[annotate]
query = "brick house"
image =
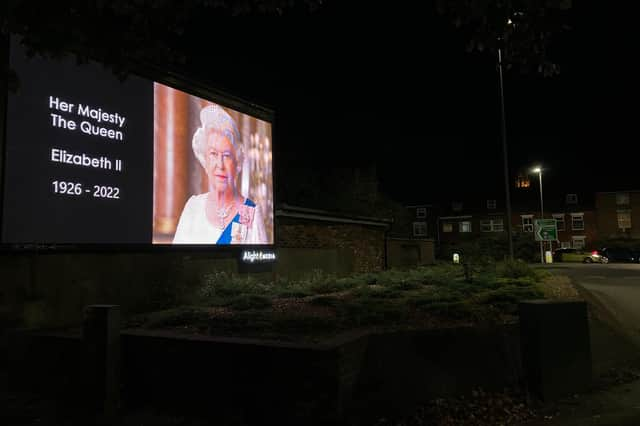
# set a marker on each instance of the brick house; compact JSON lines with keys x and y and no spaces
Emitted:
{"x":575,"y":218}
{"x":617,"y":212}
{"x":423,"y":220}
{"x":463,"y":221}
{"x":577,"y":226}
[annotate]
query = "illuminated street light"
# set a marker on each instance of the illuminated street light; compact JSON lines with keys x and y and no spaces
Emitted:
{"x":538,"y":170}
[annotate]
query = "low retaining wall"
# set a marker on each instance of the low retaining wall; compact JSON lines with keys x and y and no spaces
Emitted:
{"x":355,"y":377}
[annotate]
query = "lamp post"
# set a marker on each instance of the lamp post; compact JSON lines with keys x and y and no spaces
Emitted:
{"x":538,"y":170}
{"x":505,"y":157}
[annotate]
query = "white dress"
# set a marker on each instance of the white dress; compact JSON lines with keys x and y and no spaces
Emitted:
{"x":194,"y":227}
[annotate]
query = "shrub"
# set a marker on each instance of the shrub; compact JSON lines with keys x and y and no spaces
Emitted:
{"x":173,"y":317}
{"x":509,"y":295}
{"x":516,"y":269}
{"x":452,"y":310}
{"x":293,"y":290}
{"x":377,"y":292}
{"x":441,"y":295}
{"x":250,"y":301}
{"x":324,"y":301}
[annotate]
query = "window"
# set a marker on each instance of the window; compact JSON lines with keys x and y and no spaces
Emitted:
{"x":624,"y":219}
{"x":456,"y":206}
{"x":572,"y":198}
{"x":419,"y":229}
{"x":447,"y":227}
{"x":559,"y":217}
{"x":622,"y":198}
{"x":578,"y":242}
{"x":491,"y":204}
{"x":464,"y":226}
{"x":522,"y":182}
{"x":577,"y":221}
{"x":421,"y":212}
{"x":492,"y":225}
{"x":527,"y":223}
{"x":565,"y":244}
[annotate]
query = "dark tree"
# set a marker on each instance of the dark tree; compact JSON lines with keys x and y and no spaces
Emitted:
{"x":116,"y":32}
{"x":524,"y":28}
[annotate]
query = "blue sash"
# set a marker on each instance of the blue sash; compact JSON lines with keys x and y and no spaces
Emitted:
{"x":225,"y":237}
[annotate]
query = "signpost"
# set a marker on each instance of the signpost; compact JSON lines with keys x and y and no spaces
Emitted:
{"x":545,"y":229}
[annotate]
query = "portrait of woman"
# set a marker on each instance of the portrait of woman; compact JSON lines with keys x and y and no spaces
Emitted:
{"x":222,"y":215}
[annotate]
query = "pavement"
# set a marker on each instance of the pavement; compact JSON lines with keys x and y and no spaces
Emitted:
{"x":613,"y":294}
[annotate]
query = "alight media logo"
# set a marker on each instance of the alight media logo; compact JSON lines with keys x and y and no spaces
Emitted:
{"x":253,"y":256}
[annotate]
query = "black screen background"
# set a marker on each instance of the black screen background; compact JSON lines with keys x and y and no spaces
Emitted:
{"x":32,"y":212}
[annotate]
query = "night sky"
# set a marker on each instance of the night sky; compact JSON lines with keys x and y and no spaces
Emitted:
{"x":356,"y":86}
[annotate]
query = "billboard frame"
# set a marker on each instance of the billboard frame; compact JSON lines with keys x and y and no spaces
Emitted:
{"x":176,"y":80}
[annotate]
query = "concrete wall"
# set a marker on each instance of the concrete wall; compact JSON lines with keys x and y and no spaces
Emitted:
{"x":49,"y":290}
{"x":358,"y":376}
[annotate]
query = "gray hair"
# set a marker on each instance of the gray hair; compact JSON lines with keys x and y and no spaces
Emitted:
{"x":214,"y":117}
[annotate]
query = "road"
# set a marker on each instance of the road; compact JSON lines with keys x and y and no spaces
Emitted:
{"x":616,"y":285}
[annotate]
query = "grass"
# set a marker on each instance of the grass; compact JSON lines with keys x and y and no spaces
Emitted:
{"x":319,"y":303}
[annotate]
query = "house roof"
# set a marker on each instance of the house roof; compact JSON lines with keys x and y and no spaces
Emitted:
{"x":286,"y":210}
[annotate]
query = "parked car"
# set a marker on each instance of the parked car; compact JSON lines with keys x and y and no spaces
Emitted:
{"x":575,"y":255}
{"x":618,"y":254}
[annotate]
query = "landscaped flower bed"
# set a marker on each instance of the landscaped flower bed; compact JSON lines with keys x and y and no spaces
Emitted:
{"x":320,"y":305}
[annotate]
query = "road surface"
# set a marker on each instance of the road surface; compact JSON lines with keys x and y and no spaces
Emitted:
{"x":616,"y":285}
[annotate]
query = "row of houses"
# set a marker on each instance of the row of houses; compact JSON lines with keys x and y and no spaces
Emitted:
{"x":584,"y":221}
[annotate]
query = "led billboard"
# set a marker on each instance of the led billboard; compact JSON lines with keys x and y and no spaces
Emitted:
{"x":93,"y":159}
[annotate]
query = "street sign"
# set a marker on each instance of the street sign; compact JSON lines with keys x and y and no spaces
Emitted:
{"x":545,"y":229}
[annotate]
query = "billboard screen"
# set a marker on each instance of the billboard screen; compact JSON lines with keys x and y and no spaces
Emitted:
{"x":93,"y":159}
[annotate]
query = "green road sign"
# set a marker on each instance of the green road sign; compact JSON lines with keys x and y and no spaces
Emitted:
{"x":545,"y":229}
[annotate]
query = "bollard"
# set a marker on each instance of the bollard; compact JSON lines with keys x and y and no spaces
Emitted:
{"x":555,"y":347}
{"x":101,"y":334}
{"x":468,"y":276}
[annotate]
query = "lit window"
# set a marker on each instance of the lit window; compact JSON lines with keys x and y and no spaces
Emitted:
{"x":559,"y":221}
{"x":464,"y":226}
{"x":578,"y":242}
{"x":622,"y":198}
{"x":523,"y":182}
{"x":624,"y":219}
{"x":447,"y":227}
{"x":421,"y":212}
{"x":527,"y":223}
{"x":492,"y":225}
{"x":419,"y":229}
{"x":491,"y":204}
{"x":572,"y":199}
{"x":577,"y":221}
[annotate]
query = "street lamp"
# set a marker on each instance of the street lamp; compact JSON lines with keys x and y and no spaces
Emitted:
{"x":509,"y":23}
{"x":538,"y":170}
{"x":505,"y":157}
